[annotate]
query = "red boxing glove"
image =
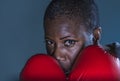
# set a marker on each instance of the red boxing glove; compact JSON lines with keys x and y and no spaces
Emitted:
{"x":42,"y":67}
{"x":95,"y":64}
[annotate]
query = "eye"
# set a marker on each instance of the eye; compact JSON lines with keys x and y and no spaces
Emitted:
{"x":50,"y":43}
{"x":70,"y":43}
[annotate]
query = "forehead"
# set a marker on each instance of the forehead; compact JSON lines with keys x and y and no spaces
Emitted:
{"x":62,"y":24}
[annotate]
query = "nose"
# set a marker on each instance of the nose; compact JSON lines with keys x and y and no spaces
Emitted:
{"x":59,"y":54}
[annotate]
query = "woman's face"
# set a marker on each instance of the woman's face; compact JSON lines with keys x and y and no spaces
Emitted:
{"x":65,"y":39}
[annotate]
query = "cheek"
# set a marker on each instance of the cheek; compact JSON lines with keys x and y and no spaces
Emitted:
{"x":75,"y":51}
{"x":50,"y":50}
{"x":88,"y":39}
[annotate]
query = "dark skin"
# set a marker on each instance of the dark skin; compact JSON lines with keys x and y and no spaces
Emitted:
{"x":66,"y":38}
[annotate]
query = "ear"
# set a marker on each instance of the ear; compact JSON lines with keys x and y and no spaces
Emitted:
{"x":96,"y":35}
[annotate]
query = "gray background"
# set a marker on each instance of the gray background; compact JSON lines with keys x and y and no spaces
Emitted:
{"x":21,"y":31}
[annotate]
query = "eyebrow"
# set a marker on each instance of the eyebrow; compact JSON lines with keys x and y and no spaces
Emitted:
{"x":64,"y":37}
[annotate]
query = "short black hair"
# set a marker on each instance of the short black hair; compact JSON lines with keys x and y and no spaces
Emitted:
{"x":86,"y":10}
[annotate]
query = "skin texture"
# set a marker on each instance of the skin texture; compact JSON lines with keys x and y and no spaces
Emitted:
{"x":65,"y":38}
{"x":67,"y":26}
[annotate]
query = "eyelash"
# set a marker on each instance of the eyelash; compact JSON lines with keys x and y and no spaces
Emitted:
{"x":70,"y":43}
{"x":50,"y":42}
{"x":67,"y":43}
